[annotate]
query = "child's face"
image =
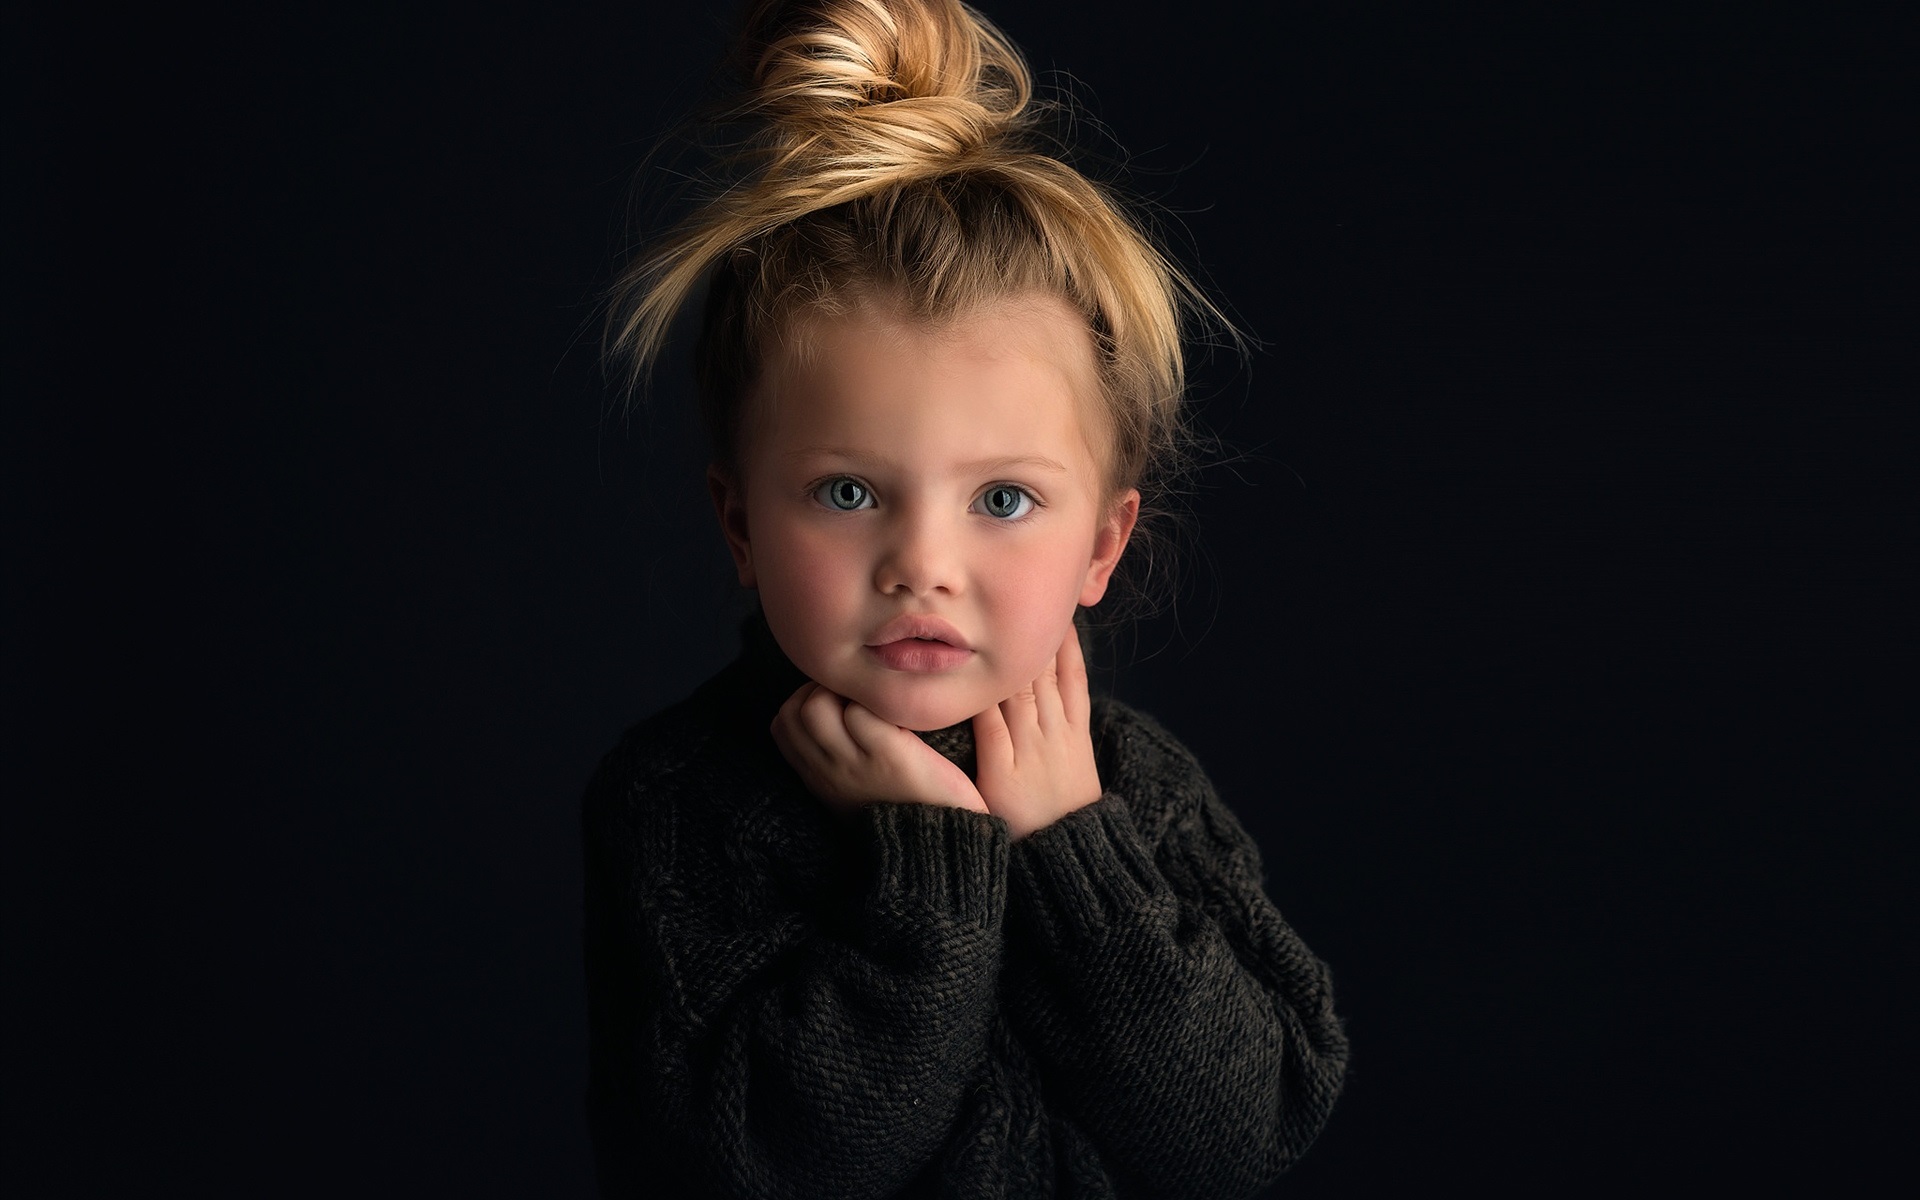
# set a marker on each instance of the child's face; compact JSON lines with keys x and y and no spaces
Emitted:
{"x":873,"y":489}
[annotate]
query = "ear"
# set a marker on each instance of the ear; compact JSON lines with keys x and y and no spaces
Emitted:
{"x":730,"y":505}
{"x":1108,"y":541}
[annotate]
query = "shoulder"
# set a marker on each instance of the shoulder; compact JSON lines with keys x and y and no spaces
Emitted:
{"x":1137,"y":740}
{"x":1168,"y":793}
{"x":658,"y":746}
{"x":696,"y":794}
{"x":686,"y":747}
{"x":1142,"y":761}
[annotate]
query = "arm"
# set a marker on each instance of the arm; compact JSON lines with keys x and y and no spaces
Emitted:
{"x":760,"y":1050}
{"x":1181,"y":1021}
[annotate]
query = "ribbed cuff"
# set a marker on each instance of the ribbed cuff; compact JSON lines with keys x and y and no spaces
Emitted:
{"x":939,"y":857}
{"x":1077,"y":877}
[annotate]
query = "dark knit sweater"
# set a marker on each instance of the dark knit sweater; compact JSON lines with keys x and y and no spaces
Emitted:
{"x":905,"y":1003}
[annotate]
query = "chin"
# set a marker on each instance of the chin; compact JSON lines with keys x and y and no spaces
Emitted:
{"x":918,"y":713}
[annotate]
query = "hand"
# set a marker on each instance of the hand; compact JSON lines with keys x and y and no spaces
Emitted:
{"x":849,"y":756}
{"x":1035,"y":748}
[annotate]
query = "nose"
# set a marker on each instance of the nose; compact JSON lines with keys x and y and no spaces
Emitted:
{"x":920,"y":554}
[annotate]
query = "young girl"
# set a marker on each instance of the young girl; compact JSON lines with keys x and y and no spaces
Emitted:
{"x":890,"y":906}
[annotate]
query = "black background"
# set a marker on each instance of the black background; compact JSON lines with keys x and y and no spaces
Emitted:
{"x":1544,"y":632}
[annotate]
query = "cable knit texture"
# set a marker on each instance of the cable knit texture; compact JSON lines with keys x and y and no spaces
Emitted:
{"x":907,"y":1003}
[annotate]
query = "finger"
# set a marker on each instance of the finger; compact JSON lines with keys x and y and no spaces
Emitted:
{"x":822,"y":716}
{"x":1021,"y":713}
{"x":783,"y":720}
{"x":1072,"y":674}
{"x":992,"y":741}
{"x":795,"y":743}
{"x":868,"y":729}
{"x":791,"y":704}
{"x":1046,"y":696}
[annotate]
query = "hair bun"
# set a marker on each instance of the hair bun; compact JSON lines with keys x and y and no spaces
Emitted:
{"x":889,"y":88}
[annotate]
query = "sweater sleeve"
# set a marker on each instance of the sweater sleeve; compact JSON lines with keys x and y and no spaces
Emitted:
{"x":759,"y":1049}
{"x":1179,"y":1018}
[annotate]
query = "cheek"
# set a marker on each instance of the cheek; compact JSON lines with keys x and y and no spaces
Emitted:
{"x":1037,"y":598}
{"x":804,"y":573}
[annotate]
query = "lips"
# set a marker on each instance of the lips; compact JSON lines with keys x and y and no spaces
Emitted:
{"x":922,"y":626}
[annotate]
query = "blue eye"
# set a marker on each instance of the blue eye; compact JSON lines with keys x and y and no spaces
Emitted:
{"x":1004,"y":500}
{"x":844,"y":494}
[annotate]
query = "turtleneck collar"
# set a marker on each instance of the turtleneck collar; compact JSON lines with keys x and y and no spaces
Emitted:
{"x":770,"y":677}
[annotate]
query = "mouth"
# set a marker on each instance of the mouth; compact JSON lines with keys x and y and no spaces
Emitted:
{"x":923,"y":629}
{"x":920,"y":655}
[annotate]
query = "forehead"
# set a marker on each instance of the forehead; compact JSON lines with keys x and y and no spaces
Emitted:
{"x":1010,"y":378}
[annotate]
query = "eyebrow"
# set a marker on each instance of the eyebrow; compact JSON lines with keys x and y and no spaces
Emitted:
{"x":880,"y":460}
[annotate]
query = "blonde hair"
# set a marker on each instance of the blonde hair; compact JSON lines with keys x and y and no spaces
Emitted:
{"x":895,"y":157}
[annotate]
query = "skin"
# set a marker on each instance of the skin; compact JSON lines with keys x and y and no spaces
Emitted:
{"x":905,"y":408}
